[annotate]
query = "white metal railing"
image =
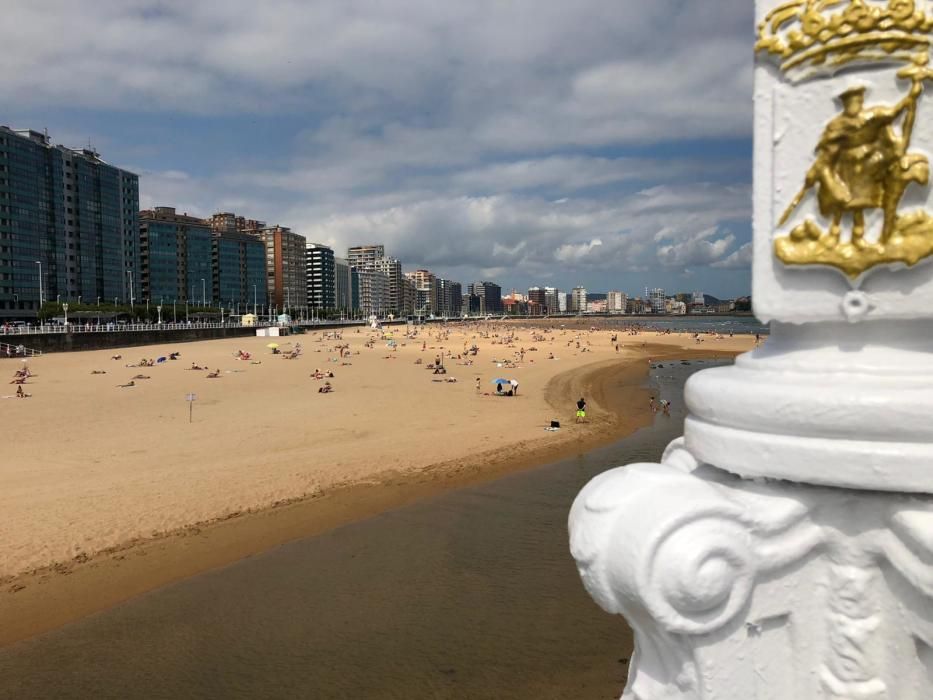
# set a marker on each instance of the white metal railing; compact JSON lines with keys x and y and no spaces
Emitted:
{"x":50,"y":328}
{"x":10,"y":350}
{"x":111,"y":327}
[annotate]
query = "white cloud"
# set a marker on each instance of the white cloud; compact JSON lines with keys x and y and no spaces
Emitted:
{"x":703,"y":248}
{"x":740,"y":259}
{"x":467,"y":136}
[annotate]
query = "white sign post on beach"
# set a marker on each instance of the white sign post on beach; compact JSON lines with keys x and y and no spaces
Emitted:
{"x":191,"y":398}
{"x":783,"y":548}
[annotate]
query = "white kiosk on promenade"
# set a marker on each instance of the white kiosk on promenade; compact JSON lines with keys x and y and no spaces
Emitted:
{"x":783,"y":548}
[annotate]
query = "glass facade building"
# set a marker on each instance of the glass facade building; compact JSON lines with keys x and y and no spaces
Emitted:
{"x":68,"y":214}
{"x":239,"y":271}
{"x":343,"y":283}
{"x":176,"y":254}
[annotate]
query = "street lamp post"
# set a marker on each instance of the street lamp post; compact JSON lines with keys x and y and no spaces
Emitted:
{"x":203,"y":292}
{"x":65,"y":309}
{"x":39,"y":263}
{"x":174,"y":314}
{"x":254,"y":300}
{"x":129,"y":273}
{"x":159,"y":309}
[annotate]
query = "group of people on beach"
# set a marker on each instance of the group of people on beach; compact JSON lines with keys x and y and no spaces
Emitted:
{"x":19,"y":378}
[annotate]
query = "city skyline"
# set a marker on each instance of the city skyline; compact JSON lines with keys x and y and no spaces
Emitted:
{"x":469,"y":140}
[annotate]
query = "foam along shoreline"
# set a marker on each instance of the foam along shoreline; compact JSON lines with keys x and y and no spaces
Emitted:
{"x":46,"y":597}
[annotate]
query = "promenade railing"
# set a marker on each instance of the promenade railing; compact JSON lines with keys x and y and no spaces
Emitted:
{"x":9,"y":350}
{"x":45,"y":329}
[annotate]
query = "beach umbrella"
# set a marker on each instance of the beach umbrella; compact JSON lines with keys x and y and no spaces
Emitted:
{"x":500,"y":381}
{"x":272,"y":345}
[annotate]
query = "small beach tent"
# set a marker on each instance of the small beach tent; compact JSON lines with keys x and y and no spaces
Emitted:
{"x":248,"y":320}
{"x":284,"y":320}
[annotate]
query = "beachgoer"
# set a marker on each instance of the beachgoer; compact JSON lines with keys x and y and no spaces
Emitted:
{"x":478,"y":386}
{"x":651,"y":404}
{"x":581,"y":410}
{"x":514,"y":384}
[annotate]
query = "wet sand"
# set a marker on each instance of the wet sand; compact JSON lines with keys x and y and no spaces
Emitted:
{"x":394,"y":463}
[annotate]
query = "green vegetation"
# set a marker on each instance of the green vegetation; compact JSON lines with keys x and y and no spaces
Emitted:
{"x":136,"y":313}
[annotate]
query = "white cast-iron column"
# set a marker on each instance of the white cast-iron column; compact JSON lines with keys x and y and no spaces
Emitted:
{"x":783,"y":548}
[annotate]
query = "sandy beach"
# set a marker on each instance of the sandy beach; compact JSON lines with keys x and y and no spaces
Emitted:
{"x":108,"y":491}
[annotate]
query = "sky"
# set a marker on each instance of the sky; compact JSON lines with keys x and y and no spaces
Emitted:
{"x":603,"y":143}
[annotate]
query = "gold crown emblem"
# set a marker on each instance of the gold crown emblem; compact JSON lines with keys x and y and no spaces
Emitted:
{"x":815,"y":35}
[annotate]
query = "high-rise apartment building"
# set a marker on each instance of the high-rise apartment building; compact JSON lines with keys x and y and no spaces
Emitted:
{"x":68,"y":225}
{"x":490,"y":295}
{"x":409,"y":297}
{"x":551,"y":301}
{"x":537,"y":297}
{"x":657,"y":300}
{"x":392,"y":269}
{"x":455,"y":294}
{"x":472,"y":305}
{"x":286,"y":267}
{"x":239,"y":271}
{"x":446,"y":298}
{"x":176,"y":258}
{"x":373,"y":292}
{"x":577,"y":300}
{"x":537,"y":302}
{"x":562,"y":302}
{"x":344,"y":300}
{"x":424,"y":282}
{"x":322,"y":276}
{"x":616,"y":302}
{"x":364,"y":257}
{"x":228,"y":222}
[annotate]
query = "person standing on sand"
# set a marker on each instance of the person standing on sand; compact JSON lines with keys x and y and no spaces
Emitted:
{"x":479,"y":388}
{"x":581,"y":410}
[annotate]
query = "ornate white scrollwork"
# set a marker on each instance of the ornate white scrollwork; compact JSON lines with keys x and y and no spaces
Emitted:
{"x":701,"y":563}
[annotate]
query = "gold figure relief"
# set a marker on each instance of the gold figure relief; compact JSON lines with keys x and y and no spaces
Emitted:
{"x":862,"y":159}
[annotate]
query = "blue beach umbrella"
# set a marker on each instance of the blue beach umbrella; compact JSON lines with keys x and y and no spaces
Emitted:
{"x":500,"y":381}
